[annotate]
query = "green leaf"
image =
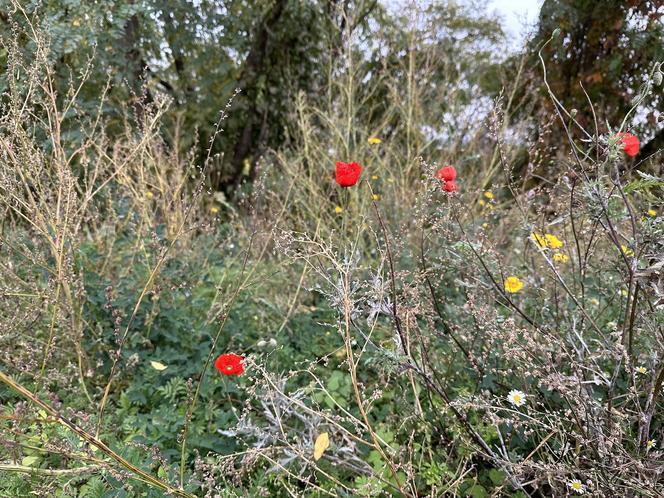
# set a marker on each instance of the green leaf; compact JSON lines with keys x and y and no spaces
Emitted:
{"x":497,"y":476}
{"x":31,"y":461}
{"x":94,"y":488}
{"x":476,"y":491}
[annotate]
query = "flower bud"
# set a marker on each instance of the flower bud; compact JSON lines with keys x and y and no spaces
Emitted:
{"x":556,"y":33}
{"x":657,"y":78}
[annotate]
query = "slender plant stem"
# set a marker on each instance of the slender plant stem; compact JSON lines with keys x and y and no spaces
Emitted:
{"x":92,"y":440}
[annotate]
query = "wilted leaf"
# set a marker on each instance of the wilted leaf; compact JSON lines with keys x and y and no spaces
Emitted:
{"x":321,"y":444}
{"x":158,"y":366}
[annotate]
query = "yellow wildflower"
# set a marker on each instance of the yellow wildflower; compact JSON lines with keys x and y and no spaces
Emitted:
{"x":374,"y":177}
{"x":375,"y":197}
{"x":641,"y":370}
{"x":488,"y":194}
{"x":513,"y":284}
{"x":539,"y":240}
{"x":652,"y":212}
{"x":626,"y":250}
{"x":553,"y":241}
{"x":560,"y":257}
{"x":482,"y":202}
{"x":374,"y":140}
{"x":149,"y":195}
{"x":594,"y":302}
{"x":338,"y":209}
{"x":650,"y":444}
{"x":214,"y":210}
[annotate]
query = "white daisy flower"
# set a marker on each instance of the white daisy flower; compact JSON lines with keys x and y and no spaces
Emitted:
{"x":642,"y":370}
{"x":650,"y":444}
{"x":516,"y":397}
{"x":577,"y":486}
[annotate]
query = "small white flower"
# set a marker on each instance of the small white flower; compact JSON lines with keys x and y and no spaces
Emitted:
{"x":641,"y":370}
{"x":516,"y":397}
{"x":650,"y":444}
{"x":577,"y":486}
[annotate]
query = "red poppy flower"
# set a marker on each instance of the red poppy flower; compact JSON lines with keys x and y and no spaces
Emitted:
{"x":450,"y":187}
{"x":630,"y":143}
{"x":229,"y":364}
{"x":446,"y":173}
{"x":348,"y":173}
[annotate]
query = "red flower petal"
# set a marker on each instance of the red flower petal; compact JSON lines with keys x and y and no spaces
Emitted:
{"x":630,"y":143}
{"x":446,"y":173}
{"x":347,"y":174}
{"x":450,"y":187}
{"x":229,"y":364}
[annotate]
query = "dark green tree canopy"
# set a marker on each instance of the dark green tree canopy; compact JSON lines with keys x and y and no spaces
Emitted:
{"x":606,"y":49}
{"x":261,"y":55}
{"x":196,"y":53}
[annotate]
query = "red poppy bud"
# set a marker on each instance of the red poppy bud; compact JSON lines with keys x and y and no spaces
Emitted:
{"x":446,"y":173}
{"x":630,"y":143}
{"x":229,"y":364}
{"x":450,"y":187}
{"x":347,"y":174}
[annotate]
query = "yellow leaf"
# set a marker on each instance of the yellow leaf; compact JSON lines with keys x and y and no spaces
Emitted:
{"x":321,"y":444}
{"x":158,"y":366}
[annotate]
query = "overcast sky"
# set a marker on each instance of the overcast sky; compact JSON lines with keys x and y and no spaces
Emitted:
{"x":518,"y":15}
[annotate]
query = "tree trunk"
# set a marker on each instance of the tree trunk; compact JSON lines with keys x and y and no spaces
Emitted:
{"x":255,"y":65}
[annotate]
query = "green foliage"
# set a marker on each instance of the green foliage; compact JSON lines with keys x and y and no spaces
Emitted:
{"x":140,"y":52}
{"x":383,"y":325}
{"x":196,"y":55}
{"x":605,"y":55}
{"x":93,"y":488}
